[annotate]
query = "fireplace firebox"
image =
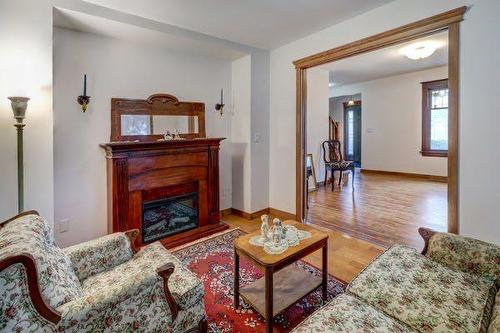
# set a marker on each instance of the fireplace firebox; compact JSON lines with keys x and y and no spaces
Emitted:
{"x":169,"y":216}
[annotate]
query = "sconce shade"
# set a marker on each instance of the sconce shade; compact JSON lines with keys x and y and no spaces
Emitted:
{"x":19,"y":106}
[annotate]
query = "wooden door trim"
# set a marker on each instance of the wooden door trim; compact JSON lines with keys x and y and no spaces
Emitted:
{"x":450,"y":21}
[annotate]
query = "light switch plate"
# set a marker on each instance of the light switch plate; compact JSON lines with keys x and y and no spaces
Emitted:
{"x":64,"y":225}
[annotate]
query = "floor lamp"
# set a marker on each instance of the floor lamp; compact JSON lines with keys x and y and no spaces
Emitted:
{"x":19,"y":105}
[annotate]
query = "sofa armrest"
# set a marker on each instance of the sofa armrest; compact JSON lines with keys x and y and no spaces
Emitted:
{"x":101,"y":254}
{"x":141,"y":295}
{"x":21,"y":293}
{"x":165,"y":271}
{"x":462,"y":253}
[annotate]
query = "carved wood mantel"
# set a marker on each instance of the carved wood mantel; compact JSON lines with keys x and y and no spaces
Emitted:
{"x":139,"y":171}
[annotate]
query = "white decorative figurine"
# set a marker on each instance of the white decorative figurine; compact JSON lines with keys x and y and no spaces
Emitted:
{"x":264,"y":228}
{"x":168,"y":135}
{"x":277,"y":231}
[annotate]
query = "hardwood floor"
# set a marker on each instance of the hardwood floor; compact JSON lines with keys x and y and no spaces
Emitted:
{"x":382,"y":209}
{"x":347,"y":256}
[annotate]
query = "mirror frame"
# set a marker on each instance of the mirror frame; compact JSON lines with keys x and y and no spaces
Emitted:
{"x":157,"y":104}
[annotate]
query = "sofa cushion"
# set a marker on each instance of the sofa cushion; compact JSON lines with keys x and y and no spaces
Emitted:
{"x":495,"y":316}
{"x":185,"y":287}
{"x":32,"y":235}
{"x":466,"y":254}
{"x":347,"y":314}
{"x":425,"y":295}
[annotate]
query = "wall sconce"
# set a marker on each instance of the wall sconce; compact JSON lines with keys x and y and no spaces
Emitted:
{"x":84,"y":100}
{"x":220,"y":106}
{"x":19,"y":106}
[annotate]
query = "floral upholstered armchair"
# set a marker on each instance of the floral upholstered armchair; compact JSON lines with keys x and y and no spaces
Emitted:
{"x":103,"y":285}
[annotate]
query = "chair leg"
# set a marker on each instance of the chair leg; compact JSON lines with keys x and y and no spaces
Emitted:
{"x":333,"y":180}
{"x":203,"y":326}
{"x":326,"y":176}
{"x":352,"y":181}
{"x":340,"y":178}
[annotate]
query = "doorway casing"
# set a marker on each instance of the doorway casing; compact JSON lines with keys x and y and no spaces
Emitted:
{"x":450,"y":21}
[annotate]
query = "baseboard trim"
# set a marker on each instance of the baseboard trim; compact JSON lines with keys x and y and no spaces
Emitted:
{"x":250,"y":216}
{"x":226,"y":212}
{"x":282,"y":214}
{"x":441,"y":179}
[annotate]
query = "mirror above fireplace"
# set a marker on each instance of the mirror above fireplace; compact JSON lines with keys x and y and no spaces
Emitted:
{"x":151,"y":118}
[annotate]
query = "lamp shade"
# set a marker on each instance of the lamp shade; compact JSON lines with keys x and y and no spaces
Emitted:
{"x":19,"y":106}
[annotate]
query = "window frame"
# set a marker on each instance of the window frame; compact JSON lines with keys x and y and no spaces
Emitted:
{"x":427,"y":88}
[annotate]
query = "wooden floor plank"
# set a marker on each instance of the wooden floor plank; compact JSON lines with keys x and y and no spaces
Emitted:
{"x":382,"y":209}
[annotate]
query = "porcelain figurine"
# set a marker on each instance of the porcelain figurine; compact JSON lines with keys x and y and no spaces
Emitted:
{"x":277,"y":231}
{"x":168,"y":135}
{"x":264,"y":228}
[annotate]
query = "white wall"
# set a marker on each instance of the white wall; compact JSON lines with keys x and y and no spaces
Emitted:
{"x":391,"y":120}
{"x":26,"y":70}
{"x":250,"y":132}
{"x":260,"y":131}
{"x":479,"y":70}
{"x":317,"y":117}
{"x":117,"y":68}
{"x":241,"y":74}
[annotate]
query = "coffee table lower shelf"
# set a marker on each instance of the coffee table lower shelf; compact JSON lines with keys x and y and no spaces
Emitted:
{"x":290,"y":285}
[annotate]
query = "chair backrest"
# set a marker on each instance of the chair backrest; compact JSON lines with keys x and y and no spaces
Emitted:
{"x":31,"y":236}
{"x":332,"y":151}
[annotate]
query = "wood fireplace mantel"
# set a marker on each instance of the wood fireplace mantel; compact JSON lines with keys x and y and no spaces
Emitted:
{"x":140,"y":171}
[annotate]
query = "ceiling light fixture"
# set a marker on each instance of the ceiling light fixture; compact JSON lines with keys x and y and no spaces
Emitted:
{"x":420,"y":50}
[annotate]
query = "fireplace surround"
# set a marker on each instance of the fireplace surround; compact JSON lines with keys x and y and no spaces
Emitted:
{"x":147,"y":175}
{"x":167,"y":189}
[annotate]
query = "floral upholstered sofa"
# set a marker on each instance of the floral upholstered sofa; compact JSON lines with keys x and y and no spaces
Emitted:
{"x":99,"y":286}
{"x":451,"y":287}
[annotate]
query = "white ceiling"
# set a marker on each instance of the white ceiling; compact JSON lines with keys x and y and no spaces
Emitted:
{"x":258,"y":23}
{"x":386,"y":62}
{"x":79,"y":21}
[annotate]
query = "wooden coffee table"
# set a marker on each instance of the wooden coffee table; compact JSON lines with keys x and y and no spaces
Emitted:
{"x":283,"y":284}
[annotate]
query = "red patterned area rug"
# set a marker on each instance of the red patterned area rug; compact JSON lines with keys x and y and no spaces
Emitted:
{"x":212,"y":260}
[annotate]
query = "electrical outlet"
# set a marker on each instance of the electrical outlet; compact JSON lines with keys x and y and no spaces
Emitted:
{"x":256,"y":138}
{"x":64,"y":225}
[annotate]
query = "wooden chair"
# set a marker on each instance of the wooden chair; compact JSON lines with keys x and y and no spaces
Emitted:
{"x":332,"y":156}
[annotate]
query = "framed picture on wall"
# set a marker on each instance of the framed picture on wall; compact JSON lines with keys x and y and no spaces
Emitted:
{"x":312,"y":184}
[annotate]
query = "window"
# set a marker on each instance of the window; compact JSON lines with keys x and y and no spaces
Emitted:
{"x":435,"y":118}
{"x":350,"y":132}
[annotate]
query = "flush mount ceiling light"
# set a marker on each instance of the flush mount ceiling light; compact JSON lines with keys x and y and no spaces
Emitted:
{"x":420,"y":50}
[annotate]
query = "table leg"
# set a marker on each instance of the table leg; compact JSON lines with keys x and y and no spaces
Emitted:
{"x":325,"y":270}
{"x":269,"y":300}
{"x":236,"y":280}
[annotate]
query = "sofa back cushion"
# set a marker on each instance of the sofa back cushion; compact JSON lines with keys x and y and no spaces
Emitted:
{"x":466,"y":254}
{"x":31,"y":234}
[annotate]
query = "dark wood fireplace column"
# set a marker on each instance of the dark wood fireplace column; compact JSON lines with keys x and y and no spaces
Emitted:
{"x":141,"y":172}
